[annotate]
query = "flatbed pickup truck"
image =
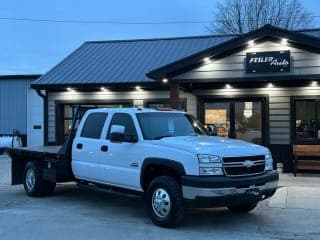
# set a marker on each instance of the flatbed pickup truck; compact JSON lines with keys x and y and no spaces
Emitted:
{"x":163,"y":155}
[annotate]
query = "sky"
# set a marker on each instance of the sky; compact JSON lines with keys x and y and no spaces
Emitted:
{"x":36,"y":47}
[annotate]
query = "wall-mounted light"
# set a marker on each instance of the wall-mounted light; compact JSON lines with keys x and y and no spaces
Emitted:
{"x":314,"y":84}
{"x":228,"y":86}
{"x":270,"y":85}
{"x":207,"y":60}
{"x":69,"y":89}
{"x":103,"y":89}
{"x":284,"y":41}
{"x":165,"y":80}
{"x":138,"y":88}
{"x":251,"y":43}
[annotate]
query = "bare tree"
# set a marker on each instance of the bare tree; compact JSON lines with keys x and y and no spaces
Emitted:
{"x":240,"y":16}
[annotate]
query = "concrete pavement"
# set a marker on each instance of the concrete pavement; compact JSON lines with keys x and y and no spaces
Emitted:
{"x":72,"y":213}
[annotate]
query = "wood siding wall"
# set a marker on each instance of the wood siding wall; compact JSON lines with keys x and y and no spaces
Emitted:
{"x":136,"y":97}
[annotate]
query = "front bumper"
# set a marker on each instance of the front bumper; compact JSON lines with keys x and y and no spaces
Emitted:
{"x":224,"y":191}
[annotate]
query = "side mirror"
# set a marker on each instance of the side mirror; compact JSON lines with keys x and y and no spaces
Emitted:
{"x":117,"y":133}
{"x":211,"y":130}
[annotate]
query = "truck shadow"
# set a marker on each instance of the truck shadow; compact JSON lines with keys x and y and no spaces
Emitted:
{"x":113,"y":207}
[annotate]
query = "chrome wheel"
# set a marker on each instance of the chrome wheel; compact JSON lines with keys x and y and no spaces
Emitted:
{"x":161,"y":203}
{"x":30,"y":179}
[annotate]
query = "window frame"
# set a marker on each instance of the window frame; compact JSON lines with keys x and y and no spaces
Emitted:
{"x":293,"y":101}
{"x":102,"y":126}
{"x":110,"y":124}
{"x":60,"y":135}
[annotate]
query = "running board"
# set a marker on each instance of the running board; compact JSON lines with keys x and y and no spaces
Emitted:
{"x":110,"y":189}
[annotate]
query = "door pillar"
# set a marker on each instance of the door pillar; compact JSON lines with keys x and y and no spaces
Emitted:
{"x":174,"y":96}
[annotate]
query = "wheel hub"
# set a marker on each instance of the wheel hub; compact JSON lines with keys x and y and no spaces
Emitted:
{"x":161,"y":203}
{"x":30,"y":179}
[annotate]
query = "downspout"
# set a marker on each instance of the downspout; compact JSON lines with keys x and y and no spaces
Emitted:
{"x":45,"y":115}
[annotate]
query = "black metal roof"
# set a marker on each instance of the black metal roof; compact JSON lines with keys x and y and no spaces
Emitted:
{"x":126,"y":61}
{"x":116,"y":62}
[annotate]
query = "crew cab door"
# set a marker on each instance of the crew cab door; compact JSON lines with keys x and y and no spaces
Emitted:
{"x":121,"y":160}
{"x":86,"y":147}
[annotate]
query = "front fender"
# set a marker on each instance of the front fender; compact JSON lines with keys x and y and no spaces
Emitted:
{"x":177,"y":166}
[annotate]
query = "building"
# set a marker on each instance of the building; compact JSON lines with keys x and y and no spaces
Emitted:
{"x":19,"y":106}
{"x":261,"y":86}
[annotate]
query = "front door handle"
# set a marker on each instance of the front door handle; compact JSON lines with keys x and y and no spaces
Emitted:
{"x":79,"y":146}
{"x":104,"y":148}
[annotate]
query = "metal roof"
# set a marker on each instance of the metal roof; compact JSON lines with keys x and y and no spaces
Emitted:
{"x":127,"y":61}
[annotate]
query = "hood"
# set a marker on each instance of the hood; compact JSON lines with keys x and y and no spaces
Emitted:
{"x":220,"y":146}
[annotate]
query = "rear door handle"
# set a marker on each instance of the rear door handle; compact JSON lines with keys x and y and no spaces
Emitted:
{"x":104,"y":148}
{"x":79,"y":146}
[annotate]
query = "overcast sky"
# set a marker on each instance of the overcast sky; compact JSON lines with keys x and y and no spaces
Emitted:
{"x":35,"y":47}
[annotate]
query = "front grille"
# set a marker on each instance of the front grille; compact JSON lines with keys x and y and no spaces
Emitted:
{"x":242,"y":159}
{"x":244,"y":166}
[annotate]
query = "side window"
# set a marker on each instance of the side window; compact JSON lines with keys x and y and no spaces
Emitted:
{"x":93,"y":125}
{"x":126,"y":121}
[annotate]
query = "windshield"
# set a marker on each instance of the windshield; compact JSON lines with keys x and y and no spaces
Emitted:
{"x":156,"y":125}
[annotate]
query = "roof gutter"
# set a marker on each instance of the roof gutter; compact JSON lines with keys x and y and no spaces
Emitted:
{"x":45,"y":115}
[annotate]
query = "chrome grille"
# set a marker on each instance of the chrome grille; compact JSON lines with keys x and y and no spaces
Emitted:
{"x":243,"y":166}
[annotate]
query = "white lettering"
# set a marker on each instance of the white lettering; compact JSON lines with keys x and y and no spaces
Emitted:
{"x":275,"y":62}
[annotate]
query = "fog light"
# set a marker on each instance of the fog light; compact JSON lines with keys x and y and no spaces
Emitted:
{"x":210,"y":171}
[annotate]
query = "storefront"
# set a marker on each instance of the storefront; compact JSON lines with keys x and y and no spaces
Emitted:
{"x":260,"y":87}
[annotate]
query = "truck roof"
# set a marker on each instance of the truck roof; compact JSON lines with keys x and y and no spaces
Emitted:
{"x":134,"y":110}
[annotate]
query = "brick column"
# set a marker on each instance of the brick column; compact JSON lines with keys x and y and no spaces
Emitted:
{"x":174,"y":96}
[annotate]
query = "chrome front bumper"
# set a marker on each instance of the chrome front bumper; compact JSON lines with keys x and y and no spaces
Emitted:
{"x":194,"y":192}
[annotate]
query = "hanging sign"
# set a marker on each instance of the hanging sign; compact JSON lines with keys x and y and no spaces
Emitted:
{"x":267,"y":62}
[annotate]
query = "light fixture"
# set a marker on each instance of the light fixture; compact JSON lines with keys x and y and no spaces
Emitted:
{"x":251,"y":42}
{"x":228,"y":86}
{"x":270,"y":85}
{"x":103,"y":89}
{"x":314,"y":84}
{"x":284,"y":41}
{"x":207,"y":60}
{"x":138,"y":88}
{"x":69,"y":89}
{"x":165,"y":80}
{"x":248,"y":109}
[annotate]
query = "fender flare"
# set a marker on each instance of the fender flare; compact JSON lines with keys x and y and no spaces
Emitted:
{"x":177,"y":166}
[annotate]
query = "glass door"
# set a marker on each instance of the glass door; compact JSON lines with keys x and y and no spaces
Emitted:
{"x":217,"y":118}
{"x":240,"y":119}
{"x":248,"y":121}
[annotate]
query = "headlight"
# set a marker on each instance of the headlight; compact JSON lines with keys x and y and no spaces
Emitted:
{"x":210,"y":165}
{"x":269,"y":161}
{"x":208,"y":158}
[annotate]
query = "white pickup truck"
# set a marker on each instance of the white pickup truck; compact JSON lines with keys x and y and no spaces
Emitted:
{"x":164,"y":155}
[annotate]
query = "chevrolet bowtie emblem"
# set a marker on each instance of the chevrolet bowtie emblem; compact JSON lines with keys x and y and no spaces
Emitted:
{"x":248,"y":164}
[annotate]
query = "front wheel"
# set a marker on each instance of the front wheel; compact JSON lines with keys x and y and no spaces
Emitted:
{"x":165,"y":201}
{"x":34,"y":185}
{"x":243,"y":208}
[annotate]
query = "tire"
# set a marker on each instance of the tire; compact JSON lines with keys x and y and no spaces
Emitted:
{"x":33,"y":183}
{"x":243,"y":208}
{"x":165,"y":202}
